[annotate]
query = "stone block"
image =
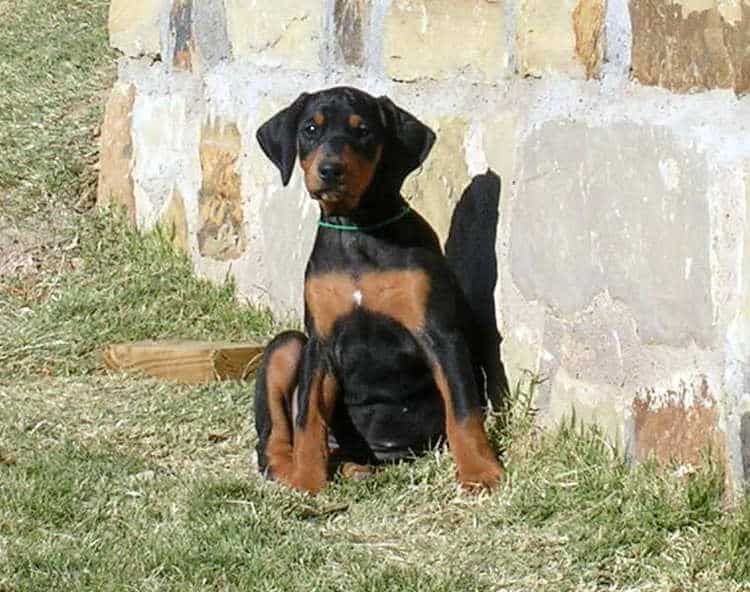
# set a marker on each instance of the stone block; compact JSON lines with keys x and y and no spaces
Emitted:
{"x":281,"y":223}
{"x":625,"y":212}
{"x":677,"y":424}
{"x":521,"y":349}
{"x":595,"y":345}
{"x":198,"y":34}
{"x":740,"y":331}
{"x":181,"y":31}
{"x":350,"y":19}
{"x":221,"y":233}
{"x":745,"y":444}
{"x":164,"y":139}
{"x":565,"y":37}
{"x":522,"y":323}
{"x":435,"y":188}
{"x":687,"y":45}
{"x":588,"y":23}
{"x":439,"y":39}
{"x":174,"y":222}
{"x":593,"y":404}
{"x":499,"y":146}
{"x":134,"y":26}
{"x":281,"y":33}
{"x":116,"y":159}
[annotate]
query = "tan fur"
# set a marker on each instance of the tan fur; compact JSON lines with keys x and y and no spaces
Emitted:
{"x":311,"y":442}
{"x":400,"y":295}
{"x":477,"y":465}
{"x":358,"y":174}
{"x":281,"y":376}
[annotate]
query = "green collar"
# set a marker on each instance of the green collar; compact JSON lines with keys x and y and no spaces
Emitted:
{"x":355,"y":227}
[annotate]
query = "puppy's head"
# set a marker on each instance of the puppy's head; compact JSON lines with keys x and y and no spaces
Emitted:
{"x":348,"y":143}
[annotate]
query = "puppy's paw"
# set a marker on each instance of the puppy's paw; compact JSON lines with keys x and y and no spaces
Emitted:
{"x":483,"y":475}
{"x":355,"y":471}
{"x":312,"y":482}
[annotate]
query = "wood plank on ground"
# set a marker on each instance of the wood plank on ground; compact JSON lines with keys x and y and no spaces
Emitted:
{"x":187,"y":362}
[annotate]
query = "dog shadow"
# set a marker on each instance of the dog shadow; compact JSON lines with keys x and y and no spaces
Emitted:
{"x":470,"y":251}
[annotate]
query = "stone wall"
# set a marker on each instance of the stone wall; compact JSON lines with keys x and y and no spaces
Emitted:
{"x":619,"y":133}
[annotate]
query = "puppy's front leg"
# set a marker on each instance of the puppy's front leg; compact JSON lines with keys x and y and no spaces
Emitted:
{"x":477,"y":464}
{"x":318,"y":390}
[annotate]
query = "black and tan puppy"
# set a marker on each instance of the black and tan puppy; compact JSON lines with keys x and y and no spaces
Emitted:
{"x":387,"y":366}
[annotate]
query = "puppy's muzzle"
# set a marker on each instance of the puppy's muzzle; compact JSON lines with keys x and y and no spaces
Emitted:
{"x":331,"y":172}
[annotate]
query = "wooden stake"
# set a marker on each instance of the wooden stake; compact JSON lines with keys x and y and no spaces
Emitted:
{"x":188,"y":362}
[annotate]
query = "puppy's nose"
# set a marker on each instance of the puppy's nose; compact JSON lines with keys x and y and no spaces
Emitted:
{"x":331,"y":171}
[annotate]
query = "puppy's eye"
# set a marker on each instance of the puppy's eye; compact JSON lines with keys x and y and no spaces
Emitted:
{"x":310,"y":129}
{"x":362,"y":131}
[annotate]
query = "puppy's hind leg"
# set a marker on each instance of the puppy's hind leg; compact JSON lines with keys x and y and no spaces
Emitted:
{"x":275,"y":385}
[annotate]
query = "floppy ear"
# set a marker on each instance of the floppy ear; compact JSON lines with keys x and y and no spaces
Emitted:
{"x":278,"y":137}
{"x":411,"y":140}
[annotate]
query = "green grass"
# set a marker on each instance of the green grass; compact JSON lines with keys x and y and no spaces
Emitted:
{"x":122,"y":483}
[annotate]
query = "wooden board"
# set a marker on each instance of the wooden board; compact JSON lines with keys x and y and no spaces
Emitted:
{"x":188,"y":362}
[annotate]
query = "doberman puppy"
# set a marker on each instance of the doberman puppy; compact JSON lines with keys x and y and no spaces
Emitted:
{"x":387,"y":367}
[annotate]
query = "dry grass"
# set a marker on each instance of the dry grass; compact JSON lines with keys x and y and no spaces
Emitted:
{"x":54,"y":71}
{"x":120,"y":484}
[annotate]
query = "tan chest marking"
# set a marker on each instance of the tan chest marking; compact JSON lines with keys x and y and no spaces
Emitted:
{"x":400,"y":295}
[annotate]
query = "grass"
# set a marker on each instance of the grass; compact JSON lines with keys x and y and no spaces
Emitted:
{"x":122,"y":483}
{"x":120,"y":286}
{"x":111,"y":483}
{"x":54,"y":67}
